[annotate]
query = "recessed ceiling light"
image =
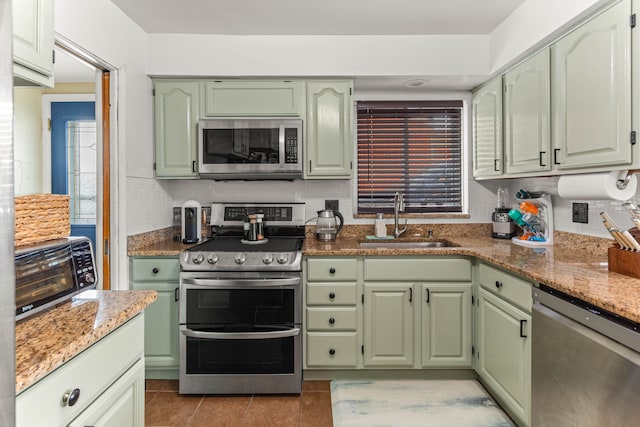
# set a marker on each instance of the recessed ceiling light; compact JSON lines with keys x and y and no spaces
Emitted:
{"x":415,"y":83}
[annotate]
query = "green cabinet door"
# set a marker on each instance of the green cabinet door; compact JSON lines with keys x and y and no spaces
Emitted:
{"x":591,"y":92}
{"x":33,"y":42}
{"x":175,"y":122}
{"x":253,"y":98}
{"x":527,"y":108}
{"x":487,"y":129}
{"x":504,"y":354}
{"x":388,"y":324}
{"x":446,"y":325}
{"x":120,"y":405}
{"x":329,"y":130}
{"x":161,"y":329}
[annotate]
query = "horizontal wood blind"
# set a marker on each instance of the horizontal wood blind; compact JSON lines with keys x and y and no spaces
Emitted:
{"x":413,"y":147}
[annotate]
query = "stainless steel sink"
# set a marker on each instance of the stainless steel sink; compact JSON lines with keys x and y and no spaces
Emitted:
{"x":390,"y":244}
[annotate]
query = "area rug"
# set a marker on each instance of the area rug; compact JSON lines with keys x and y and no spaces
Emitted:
{"x":407,"y":403}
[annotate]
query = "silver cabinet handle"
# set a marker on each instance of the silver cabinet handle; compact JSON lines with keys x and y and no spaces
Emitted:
{"x":240,"y":335}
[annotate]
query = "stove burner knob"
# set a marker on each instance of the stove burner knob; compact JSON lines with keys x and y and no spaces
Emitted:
{"x":241,"y":258}
{"x":282,"y":259}
{"x":197,"y":258}
{"x":212,"y":259}
{"x":267,"y":259}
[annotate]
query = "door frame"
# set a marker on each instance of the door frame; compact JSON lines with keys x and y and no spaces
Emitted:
{"x":114,"y":241}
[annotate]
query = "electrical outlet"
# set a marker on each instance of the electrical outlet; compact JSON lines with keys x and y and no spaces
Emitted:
{"x":332,"y":205}
{"x":580,"y":212}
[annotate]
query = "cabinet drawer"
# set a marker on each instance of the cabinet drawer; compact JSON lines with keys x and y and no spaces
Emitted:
{"x":92,"y":372}
{"x":423,"y":269}
{"x":332,"y":319}
{"x":513,"y":289}
{"x":331,"y":294}
{"x":155,"y":269}
{"x":332,"y":269}
{"x":325,"y":349}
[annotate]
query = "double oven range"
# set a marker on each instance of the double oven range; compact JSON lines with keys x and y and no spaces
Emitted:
{"x":240,"y":304}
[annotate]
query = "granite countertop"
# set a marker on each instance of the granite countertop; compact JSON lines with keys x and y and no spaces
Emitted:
{"x":47,"y":340}
{"x":576,"y":264}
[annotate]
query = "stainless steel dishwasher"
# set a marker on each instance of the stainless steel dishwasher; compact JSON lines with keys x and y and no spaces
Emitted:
{"x":585,"y":364}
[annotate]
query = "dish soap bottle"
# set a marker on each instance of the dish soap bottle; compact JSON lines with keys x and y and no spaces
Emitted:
{"x":381,"y":228}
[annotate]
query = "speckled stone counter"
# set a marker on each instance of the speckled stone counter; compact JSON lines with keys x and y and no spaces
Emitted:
{"x":47,"y":340}
{"x":576,"y":264}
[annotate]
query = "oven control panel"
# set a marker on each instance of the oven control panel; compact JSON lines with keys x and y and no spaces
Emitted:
{"x":246,"y":261}
{"x":230,"y":214}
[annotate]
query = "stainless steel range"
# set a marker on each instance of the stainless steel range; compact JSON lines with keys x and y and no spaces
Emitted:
{"x":241,"y":301}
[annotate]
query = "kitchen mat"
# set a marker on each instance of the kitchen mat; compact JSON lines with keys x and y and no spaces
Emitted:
{"x":408,"y":403}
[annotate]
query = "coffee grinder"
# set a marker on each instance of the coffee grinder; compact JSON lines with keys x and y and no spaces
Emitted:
{"x":503,"y":226}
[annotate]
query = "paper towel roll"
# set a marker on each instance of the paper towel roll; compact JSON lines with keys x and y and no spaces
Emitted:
{"x":596,"y":186}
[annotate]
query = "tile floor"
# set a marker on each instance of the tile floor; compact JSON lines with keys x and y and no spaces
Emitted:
{"x":164,"y":407}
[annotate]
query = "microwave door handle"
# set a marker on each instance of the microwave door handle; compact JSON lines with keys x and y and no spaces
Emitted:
{"x":257,"y":283}
{"x":240,"y":335}
{"x":281,"y":143}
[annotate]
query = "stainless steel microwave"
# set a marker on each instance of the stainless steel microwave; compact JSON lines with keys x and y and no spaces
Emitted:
{"x":250,"y":148}
{"x":52,"y":272}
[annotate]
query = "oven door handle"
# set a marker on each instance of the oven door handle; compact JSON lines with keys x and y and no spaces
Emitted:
{"x":240,"y":335}
{"x":227,"y":283}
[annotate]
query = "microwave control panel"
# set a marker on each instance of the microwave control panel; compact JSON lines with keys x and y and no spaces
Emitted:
{"x":291,"y":145}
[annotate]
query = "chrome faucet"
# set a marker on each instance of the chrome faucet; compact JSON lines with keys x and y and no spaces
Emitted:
{"x":398,"y":206}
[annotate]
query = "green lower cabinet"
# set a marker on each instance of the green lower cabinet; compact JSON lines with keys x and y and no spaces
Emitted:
{"x":388,"y":324}
{"x":504,"y":354}
{"x":108,"y":377}
{"x":446,"y":325}
{"x":121,"y":405}
{"x":161,"y":334}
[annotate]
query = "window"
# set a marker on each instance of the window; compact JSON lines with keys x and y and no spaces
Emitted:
{"x":81,"y":149}
{"x":414,"y":147}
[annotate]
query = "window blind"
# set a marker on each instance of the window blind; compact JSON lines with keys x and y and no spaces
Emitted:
{"x":414,"y":147}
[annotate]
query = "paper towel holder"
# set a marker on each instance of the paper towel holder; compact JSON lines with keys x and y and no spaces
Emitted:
{"x":622,"y":183}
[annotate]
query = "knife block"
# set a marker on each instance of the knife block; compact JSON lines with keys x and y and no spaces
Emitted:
{"x":624,"y":261}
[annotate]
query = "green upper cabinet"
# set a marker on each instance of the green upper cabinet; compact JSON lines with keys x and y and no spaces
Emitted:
{"x":176,"y":121}
{"x":33,"y":42}
{"x":487,"y":129}
{"x":253,"y":98}
{"x":527,"y":134}
{"x":591,"y":92}
{"x":388,"y":319}
{"x":329,"y":130}
{"x":446,"y":325}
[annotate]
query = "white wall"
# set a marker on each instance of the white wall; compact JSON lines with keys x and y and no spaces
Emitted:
{"x":27,"y":104}
{"x":221,"y":55}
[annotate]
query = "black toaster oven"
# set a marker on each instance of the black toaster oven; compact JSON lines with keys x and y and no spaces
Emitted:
{"x":52,"y":272}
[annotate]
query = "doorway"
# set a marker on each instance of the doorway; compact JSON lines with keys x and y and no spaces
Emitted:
{"x":74,"y":162}
{"x":80,"y":149}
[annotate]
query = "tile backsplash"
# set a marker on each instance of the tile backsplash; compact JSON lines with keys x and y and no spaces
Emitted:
{"x":150,"y":202}
{"x":562,"y":208}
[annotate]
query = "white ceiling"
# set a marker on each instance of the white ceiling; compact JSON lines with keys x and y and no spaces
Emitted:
{"x":318,"y":17}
